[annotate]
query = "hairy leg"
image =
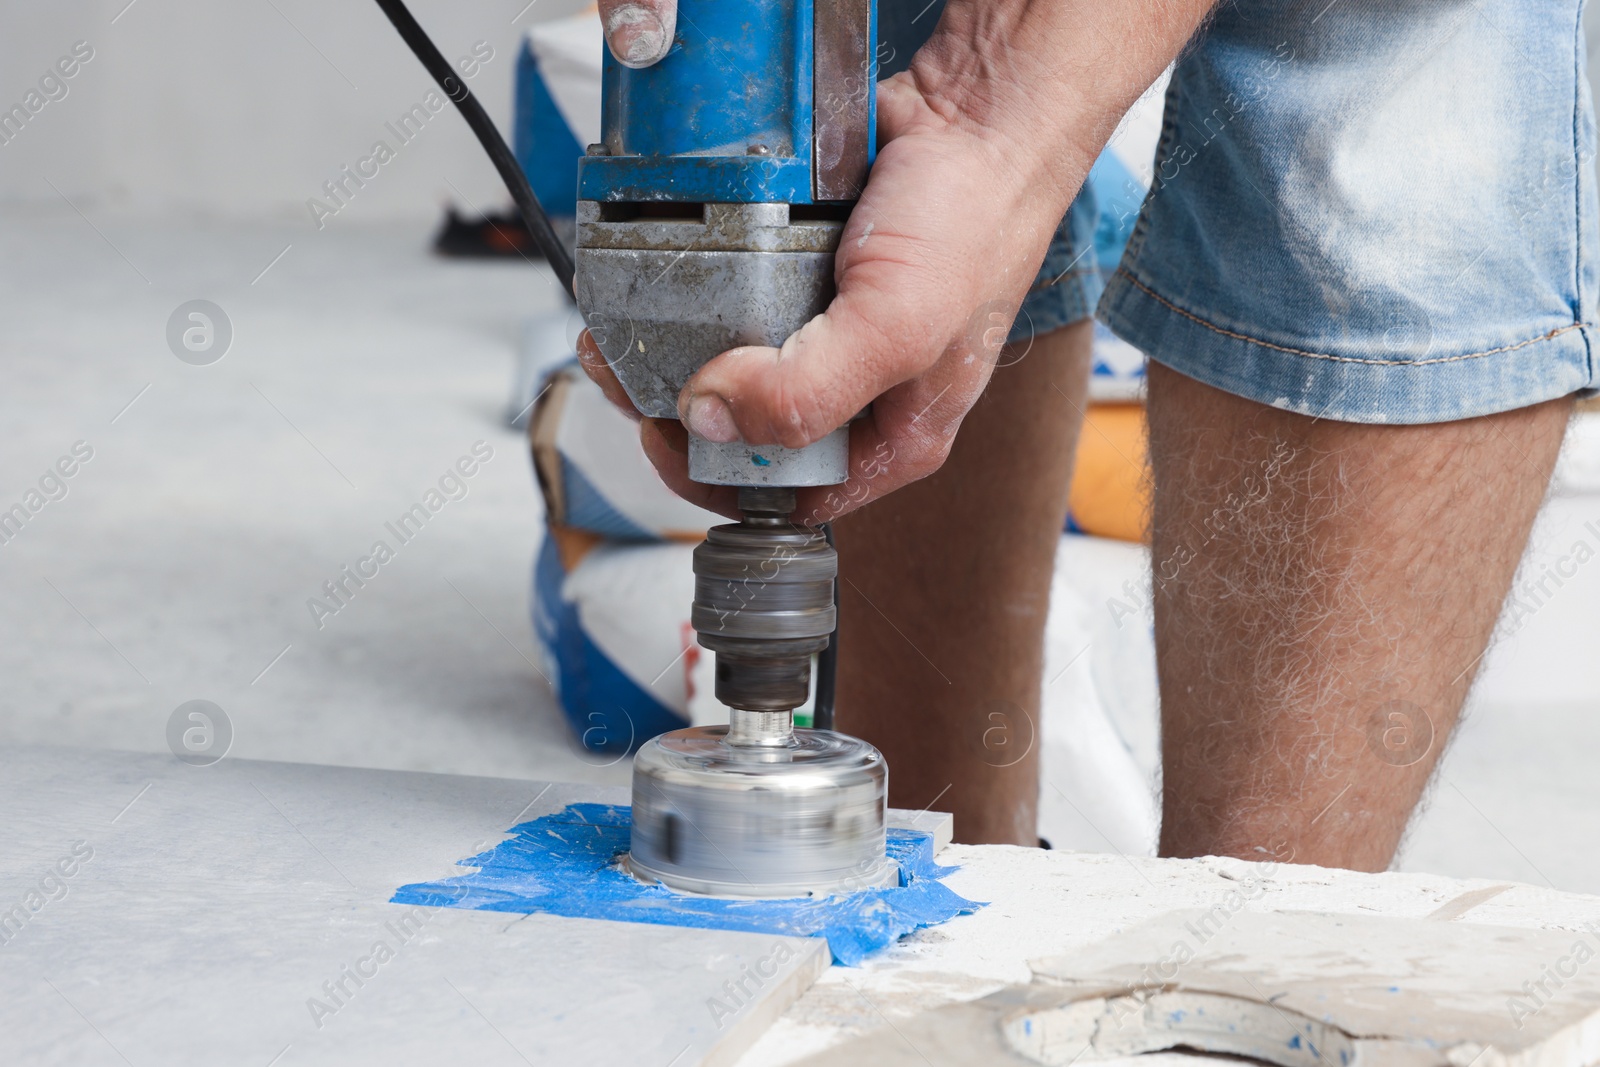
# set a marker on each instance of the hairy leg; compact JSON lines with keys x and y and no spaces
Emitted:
{"x":944,"y":591}
{"x":1323,"y":594}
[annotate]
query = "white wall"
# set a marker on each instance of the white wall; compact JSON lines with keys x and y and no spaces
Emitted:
{"x":225,"y":109}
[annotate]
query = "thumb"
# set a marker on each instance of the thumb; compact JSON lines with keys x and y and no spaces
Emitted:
{"x":824,"y":373}
{"x":932,"y":237}
{"x":639,"y":32}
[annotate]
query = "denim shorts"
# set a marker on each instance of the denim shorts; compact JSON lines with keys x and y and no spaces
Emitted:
{"x":1376,"y":211}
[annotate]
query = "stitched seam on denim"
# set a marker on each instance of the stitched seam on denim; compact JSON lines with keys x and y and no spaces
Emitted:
{"x":1558,"y":331}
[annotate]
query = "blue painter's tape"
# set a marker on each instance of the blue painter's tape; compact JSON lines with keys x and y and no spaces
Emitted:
{"x":565,"y":864}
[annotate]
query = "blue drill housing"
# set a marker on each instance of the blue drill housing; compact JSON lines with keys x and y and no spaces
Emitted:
{"x":730,"y":114}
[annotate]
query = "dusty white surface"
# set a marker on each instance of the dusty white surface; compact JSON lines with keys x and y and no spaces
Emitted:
{"x":160,"y":913}
{"x":1046,"y":904}
{"x":1298,"y":987}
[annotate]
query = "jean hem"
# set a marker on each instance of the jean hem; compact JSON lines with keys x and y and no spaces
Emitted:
{"x":1545,"y":365}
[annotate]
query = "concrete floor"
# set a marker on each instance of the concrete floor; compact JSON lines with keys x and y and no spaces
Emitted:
{"x":179,"y":564}
{"x":220,"y":498}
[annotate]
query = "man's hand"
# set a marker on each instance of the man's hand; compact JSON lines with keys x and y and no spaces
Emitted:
{"x":946,"y":227}
{"x":984,"y":143}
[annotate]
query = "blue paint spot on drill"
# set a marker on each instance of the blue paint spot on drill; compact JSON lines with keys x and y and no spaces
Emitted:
{"x":1294,"y":1042}
{"x":565,"y":864}
{"x":760,"y":461}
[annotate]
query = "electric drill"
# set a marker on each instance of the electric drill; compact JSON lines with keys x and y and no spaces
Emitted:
{"x":708,"y":217}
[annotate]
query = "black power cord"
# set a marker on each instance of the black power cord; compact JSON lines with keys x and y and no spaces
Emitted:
{"x":533,"y":214}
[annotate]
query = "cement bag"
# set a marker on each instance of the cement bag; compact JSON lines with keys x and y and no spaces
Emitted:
{"x":594,"y":475}
{"x":557,"y":108}
{"x":613,"y":622}
{"x":613,"y":581}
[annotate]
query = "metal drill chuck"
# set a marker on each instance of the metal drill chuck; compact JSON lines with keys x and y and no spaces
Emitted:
{"x":764,"y":604}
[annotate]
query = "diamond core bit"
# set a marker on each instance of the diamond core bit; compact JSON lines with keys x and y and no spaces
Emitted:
{"x":757,"y":808}
{"x":802,"y":818}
